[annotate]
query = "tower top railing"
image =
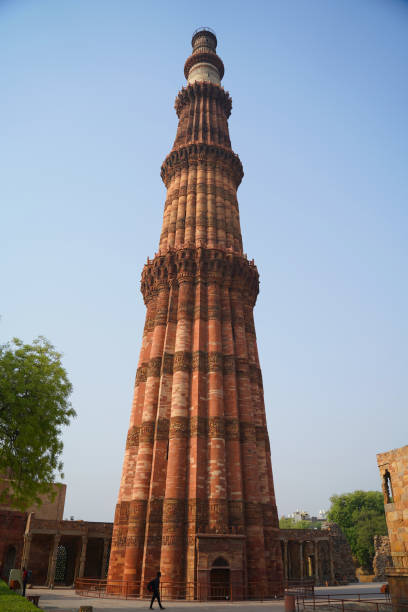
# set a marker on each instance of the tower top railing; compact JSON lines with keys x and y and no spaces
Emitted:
{"x":204,"y":29}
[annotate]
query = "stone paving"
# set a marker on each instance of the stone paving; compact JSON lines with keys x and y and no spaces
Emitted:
{"x":66,"y":600}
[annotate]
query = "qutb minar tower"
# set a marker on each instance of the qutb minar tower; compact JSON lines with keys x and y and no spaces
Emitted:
{"x":196,"y":498}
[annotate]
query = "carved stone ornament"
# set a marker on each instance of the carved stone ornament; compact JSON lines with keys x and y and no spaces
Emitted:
{"x":135,"y":541}
{"x":178,"y":427}
{"x":198,"y":427}
{"x":189,"y":264}
{"x":119,"y":541}
{"x":132,"y":439}
{"x":200,"y":90}
{"x":182,"y":361}
{"x":197,"y":510}
{"x":149,"y":324}
{"x":215,"y":362}
{"x":137,"y":510}
{"x":123,"y":513}
{"x":162,"y":428}
{"x":161,"y":316}
{"x":236,"y":512}
{"x":154,"y":367}
{"x":141,"y":374}
{"x":155,"y":510}
{"x":172,"y":540}
{"x":168,"y":360}
{"x":147,"y":432}
{"x":199,"y":361}
{"x":174,"y":511}
{"x":216,"y":427}
{"x":218,"y":510}
{"x":199,"y":152}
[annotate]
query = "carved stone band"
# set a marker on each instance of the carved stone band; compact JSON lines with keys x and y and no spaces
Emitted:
{"x":203,"y":153}
{"x":174,"y":510}
{"x":203,"y":89}
{"x":185,"y":361}
{"x":203,"y":265}
{"x":178,"y":427}
{"x":133,"y":437}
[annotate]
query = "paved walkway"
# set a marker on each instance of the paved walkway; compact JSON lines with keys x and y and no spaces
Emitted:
{"x":364,"y":588}
{"x":66,"y":600}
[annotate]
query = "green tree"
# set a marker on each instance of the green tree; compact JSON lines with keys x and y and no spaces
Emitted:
{"x":34,"y":405}
{"x":361,"y":516}
{"x":286,"y":522}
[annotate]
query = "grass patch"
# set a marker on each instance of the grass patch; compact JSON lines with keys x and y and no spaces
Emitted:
{"x":11,"y":602}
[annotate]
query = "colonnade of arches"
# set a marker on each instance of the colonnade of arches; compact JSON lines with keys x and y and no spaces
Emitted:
{"x":57,"y":559}
{"x":303,"y":559}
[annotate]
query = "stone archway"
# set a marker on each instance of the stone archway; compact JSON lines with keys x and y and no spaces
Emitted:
{"x":220,"y":579}
{"x":309,"y":559}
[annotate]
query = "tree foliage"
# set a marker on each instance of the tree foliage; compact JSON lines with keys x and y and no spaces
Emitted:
{"x":34,"y":406}
{"x":361,"y":516}
{"x":286,"y":522}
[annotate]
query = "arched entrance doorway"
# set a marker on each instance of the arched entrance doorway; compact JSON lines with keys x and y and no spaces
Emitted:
{"x":9,"y":562}
{"x":309,"y":559}
{"x":220,"y":579}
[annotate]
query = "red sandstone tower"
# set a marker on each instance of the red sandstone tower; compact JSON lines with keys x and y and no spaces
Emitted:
{"x":196,"y":497}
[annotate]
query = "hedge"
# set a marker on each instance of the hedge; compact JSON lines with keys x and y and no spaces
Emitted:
{"x":12,"y":602}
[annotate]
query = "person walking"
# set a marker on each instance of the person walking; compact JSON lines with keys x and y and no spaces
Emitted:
{"x":154,"y":586}
{"x":25,"y":580}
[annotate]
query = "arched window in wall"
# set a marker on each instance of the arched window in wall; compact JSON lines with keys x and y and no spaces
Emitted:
{"x":389,"y":499}
{"x":220,"y":562}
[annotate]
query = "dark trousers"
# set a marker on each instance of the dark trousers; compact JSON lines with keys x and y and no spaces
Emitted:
{"x":24,"y":587}
{"x":156,"y":595}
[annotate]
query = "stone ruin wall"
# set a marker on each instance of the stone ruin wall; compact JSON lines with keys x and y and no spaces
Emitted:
{"x":382,"y":557}
{"x":344,"y":568}
{"x":393,"y":467}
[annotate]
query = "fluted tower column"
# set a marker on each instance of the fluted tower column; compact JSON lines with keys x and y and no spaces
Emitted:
{"x":197,"y":487}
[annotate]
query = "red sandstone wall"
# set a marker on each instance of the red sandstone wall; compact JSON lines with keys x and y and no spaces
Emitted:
{"x":12,"y":527}
{"x":51,"y":509}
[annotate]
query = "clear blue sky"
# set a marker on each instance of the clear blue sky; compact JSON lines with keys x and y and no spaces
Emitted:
{"x":320,"y":99}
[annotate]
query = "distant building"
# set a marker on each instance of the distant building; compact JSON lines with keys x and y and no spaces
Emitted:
{"x":302,"y":515}
{"x":299,"y":515}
